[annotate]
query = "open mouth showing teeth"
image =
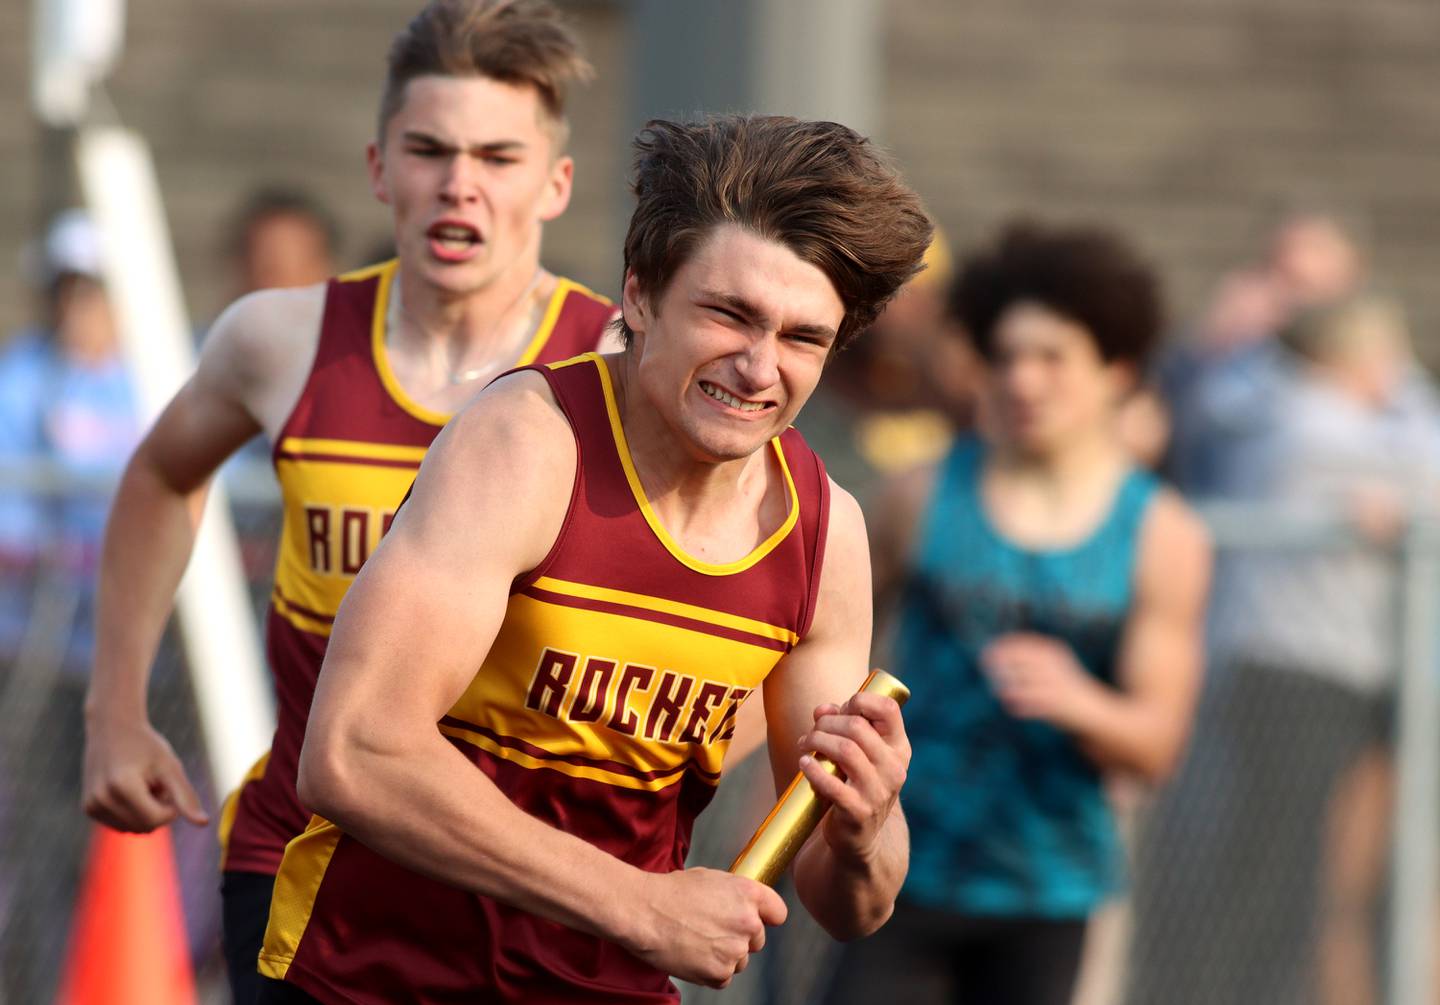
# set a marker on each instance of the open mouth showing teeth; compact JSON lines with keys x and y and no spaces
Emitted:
{"x":725,"y":397}
{"x":454,"y":236}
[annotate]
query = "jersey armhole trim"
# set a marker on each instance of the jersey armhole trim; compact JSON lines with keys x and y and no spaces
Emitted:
{"x":822,"y":535}
{"x":284,"y":431}
{"x":526,"y":580}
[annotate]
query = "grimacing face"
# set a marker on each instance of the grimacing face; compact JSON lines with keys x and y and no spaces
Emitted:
{"x":1047,"y":381}
{"x":734,"y":345}
{"x":469,"y":171}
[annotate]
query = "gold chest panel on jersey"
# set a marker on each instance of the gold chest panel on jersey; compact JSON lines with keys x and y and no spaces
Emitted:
{"x":597,"y":689}
{"x":339,"y":498}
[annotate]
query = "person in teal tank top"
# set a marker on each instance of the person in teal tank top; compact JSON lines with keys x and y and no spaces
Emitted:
{"x":1049,"y":624}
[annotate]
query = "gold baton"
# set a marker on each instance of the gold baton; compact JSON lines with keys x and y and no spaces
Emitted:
{"x":799,"y":810}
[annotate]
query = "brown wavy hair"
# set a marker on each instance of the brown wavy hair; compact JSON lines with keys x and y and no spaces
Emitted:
{"x":819,"y":188}
{"x":512,"y":41}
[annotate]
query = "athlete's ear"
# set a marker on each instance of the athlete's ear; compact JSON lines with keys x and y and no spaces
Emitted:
{"x":1124,"y":378}
{"x":557,"y":189}
{"x":634,"y":304}
{"x":375,"y":165}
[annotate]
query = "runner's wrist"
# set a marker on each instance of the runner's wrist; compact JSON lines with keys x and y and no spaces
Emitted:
{"x":109,"y":709}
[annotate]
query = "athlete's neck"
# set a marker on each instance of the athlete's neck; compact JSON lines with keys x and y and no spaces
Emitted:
{"x":444,"y":346}
{"x":1081,"y":459}
{"x":730,"y":504}
{"x":1056,"y":499}
{"x":473,"y":320}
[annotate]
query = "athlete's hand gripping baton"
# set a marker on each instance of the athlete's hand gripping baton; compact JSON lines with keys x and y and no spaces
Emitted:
{"x":798,"y":812}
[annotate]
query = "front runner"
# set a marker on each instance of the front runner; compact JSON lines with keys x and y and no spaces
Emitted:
{"x":669,"y":546}
{"x":350,"y":381}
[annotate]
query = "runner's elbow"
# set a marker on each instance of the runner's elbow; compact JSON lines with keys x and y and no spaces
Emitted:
{"x":327,"y":781}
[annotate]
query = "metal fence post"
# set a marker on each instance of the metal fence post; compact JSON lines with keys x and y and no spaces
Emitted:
{"x":1413,"y":871}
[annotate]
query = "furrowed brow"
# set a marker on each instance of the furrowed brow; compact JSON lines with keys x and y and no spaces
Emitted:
{"x":819,"y":331}
{"x":747,"y":310}
{"x":422,"y":138}
{"x":496,"y":147}
{"x":756,"y":316}
{"x":416,"y":136}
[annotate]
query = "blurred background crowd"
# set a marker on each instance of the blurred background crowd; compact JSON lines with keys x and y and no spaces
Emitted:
{"x":1274,"y":162}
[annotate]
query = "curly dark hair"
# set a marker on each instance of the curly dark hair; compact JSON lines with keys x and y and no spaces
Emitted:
{"x":819,"y":188}
{"x":1088,"y":274}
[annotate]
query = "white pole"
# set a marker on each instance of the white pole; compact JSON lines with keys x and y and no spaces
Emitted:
{"x":1417,"y":790}
{"x":74,"y":45}
{"x":217,"y":624}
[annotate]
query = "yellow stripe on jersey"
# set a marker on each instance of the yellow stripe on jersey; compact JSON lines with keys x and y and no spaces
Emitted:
{"x":232,"y":805}
{"x":723,"y":619}
{"x":296,"y":886}
{"x":351,"y":448}
{"x":590,"y":772}
{"x":298,"y":618}
{"x":671,"y":545}
{"x":622,"y":739}
{"x":382,"y":358}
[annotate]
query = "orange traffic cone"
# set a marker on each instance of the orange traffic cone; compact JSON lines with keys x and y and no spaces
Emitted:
{"x":127,"y":942}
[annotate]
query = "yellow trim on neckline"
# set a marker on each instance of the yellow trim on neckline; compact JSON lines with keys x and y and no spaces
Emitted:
{"x":392,"y":386}
{"x":622,"y":447}
{"x":366,"y":272}
{"x":546,"y":328}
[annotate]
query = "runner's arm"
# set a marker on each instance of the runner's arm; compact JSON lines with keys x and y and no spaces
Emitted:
{"x":132,"y":779}
{"x":849,"y":873}
{"x":1162,"y":653}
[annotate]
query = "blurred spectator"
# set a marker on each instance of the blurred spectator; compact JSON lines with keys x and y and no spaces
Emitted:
{"x":1313,"y":261}
{"x":279,"y":237}
{"x":1344,"y":423}
{"x":1051,"y":601}
{"x":66,"y":399}
{"x":282,"y":237}
{"x":1310,"y":260}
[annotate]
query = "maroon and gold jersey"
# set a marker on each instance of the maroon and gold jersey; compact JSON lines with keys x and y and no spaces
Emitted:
{"x":604,"y":708}
{"x":345,"y":458}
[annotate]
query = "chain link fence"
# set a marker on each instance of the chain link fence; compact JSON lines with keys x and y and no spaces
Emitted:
{"x":1292,"y":858}
{"x":47,"y":597}
{"x":1266,"y":871}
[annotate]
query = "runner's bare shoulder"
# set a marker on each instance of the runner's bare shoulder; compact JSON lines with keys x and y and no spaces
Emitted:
{"x":260,"y":350}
